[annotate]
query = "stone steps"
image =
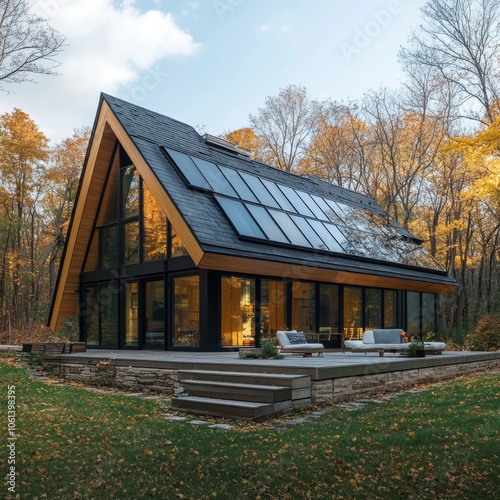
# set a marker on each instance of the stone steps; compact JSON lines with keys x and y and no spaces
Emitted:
{"x":247,"y":410}
{"x":245,"y":392}
{"x":239,"y":394}
{"x":281,"y":379}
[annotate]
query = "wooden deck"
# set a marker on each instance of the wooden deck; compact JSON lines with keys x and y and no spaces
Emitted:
{"x":222,"y":384}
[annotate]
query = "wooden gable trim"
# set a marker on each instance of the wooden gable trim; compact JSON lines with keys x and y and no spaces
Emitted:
{"x":278,"y":269}
{"x":107,"y":131}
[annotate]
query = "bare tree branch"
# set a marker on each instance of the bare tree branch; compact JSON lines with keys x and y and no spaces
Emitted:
{"x":28,"y":45}
{"x":459,"y":41}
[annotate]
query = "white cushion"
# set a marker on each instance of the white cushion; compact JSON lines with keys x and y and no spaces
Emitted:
{"x":357,"y":344}
{"x":368,"y":337}
{"x":303,"y":346}
{"x":354,"y":344}
{"x":283,"y":338}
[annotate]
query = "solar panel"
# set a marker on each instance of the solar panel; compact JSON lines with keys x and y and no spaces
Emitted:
{"x":296,"y":201}
{"x":259,"y":190}
{"x":289,"y":227}
{"x":241,"y":219}
{"x":239,"y":185}
{"x":267,"y":223}
{"x":320,"y":228}
{"x":278,"y":195}
{"x":311,"y":204}
{"x":189,"y":170}
{"x":309,"y":232}
{"x":270,"y":211}
{"x":215,"y":177}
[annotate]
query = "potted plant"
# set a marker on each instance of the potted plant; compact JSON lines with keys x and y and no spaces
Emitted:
{"x":416,"y":348}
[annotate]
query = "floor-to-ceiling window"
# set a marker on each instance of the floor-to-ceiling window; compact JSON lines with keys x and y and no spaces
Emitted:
{"x":91,"y":315}
{"x":373,"y":308}
{"x":390,"y":309}
{"x":131,"y":315}
{"x":428,"y":313}
{"x":353,"y":312}
{"x":303,"y":306}
{"x":413,"y":313}
{"x":154,"y":227}
{"x":237,"y":311}
{"x":154,"y":314}
{"x":328,"y":308}
{"x":131,"y":229}
{"x":272,"y":307}
{"x":100,"y":314}
{"x":186,"y":311}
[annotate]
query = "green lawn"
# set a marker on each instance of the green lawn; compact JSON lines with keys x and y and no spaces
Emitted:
{"x":74,"y":443}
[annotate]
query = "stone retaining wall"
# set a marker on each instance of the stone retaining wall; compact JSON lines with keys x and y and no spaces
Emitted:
{"x":107,"y":374}
{"x":332,"y":390}
{"x":348,"y":388}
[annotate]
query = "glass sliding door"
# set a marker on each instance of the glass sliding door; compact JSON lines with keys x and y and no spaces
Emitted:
{"x":353,"y":312}
{"x":428,"y":313}
{"x":154,"y":314}
{"x":272,"y":307}
{"x":131,"y":315}
{"x":390,"y":309}
{"x":373,"y":308}
{"x":186,"y":305}
{"x":303,"y":307}
{"x":237,"y":312}
{"x":100,"y":317}
{"x":90,"y":315}
{"x":413,"y":313}
{"x":109,"y":314}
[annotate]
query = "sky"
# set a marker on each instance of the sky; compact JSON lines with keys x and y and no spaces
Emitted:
{"x":210,"y":63}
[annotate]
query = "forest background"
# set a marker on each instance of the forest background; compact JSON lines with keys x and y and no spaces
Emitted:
{"x":428,"y":152}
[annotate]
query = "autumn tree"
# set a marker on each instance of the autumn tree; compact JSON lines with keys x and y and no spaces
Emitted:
{"x":23,"y":153}
{"x":28,"y":45}
{"x":61,"y":184}
{"x":341,"y":147}
{"x":246,"y":139}
{"x":284,"y":126}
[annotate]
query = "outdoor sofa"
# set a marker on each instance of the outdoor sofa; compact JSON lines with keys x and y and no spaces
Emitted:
{"x":391,"y":340}
{"x":296,"y":342}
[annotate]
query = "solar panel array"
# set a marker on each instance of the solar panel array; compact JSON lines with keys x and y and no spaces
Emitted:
{"x":266,"y":210}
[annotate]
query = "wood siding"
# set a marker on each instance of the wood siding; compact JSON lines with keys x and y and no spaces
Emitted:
{"x":232,"y":264}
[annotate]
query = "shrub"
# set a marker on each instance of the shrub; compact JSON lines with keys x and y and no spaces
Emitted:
{"x":268,"y":349}
{"x":486,"y":336}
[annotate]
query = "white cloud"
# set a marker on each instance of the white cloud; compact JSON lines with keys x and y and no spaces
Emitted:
{"x":111,"y":45}
{"x":264,"y":28}
{"x":286,"y":28}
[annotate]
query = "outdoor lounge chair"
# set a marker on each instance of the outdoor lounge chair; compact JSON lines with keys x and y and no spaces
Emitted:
{"x":390,"y":340}
{"x":296,"y":342}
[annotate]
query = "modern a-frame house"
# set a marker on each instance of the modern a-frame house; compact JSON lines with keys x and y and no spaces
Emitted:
{"x":179,"y":241}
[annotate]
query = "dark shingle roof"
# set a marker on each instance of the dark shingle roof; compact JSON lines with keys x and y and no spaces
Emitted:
{"x":150,"y":131}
